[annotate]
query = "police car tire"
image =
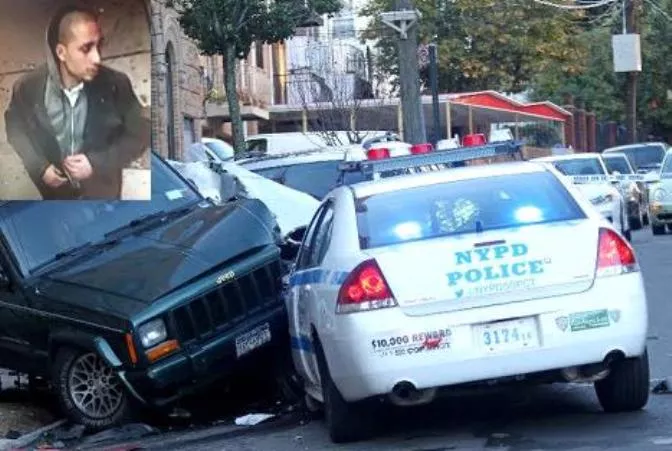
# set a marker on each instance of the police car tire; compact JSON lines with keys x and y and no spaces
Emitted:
{"x":626,"y":388}
{"x":346,"y":422}
{"x":658,"y":229}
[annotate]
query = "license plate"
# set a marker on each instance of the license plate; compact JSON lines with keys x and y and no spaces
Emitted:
{"x":504,"y":336}
{"x":253,"y":339}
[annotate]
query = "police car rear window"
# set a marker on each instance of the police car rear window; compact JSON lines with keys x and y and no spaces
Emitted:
{"x":467,"y":206}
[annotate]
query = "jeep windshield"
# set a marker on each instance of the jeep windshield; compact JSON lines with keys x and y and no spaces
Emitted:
{"x":39,"y":231}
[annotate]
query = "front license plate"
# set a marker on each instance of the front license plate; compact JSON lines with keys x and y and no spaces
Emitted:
{"x":504,"y":336}
{"x":253,"y":339}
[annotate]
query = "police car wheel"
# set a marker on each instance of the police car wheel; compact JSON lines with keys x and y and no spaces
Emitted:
{"x":346,"y":422}
{"x":626,"y":388}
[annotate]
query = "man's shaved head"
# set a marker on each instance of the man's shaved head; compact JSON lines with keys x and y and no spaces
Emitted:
{"x":71,"y":20}
{"x":75,"y":39}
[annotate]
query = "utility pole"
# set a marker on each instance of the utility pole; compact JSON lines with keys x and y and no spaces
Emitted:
{"x":434,"y":84}
{"x":404,"y":20}
{"x":632,"y":26}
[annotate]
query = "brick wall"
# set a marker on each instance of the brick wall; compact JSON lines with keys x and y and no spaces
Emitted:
{"x":187,"y":87}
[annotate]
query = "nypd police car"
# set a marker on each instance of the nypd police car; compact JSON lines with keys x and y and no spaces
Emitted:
{"x":589,"y":173}
{"x":409,"y":284}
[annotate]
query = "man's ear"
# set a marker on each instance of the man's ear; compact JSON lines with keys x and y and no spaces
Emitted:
{"x":60,"y":52}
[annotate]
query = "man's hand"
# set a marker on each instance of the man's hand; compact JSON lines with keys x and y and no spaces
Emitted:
{"x":53,"y":178}
{"x":78,"y":166}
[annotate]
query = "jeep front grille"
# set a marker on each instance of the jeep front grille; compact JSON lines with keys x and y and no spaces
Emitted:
{"x":228,"y":304}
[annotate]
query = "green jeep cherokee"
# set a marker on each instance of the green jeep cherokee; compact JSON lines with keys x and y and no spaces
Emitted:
{"x":119,"y":302}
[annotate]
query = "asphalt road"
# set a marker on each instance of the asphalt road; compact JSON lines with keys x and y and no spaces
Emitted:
{"x":558,"y":417}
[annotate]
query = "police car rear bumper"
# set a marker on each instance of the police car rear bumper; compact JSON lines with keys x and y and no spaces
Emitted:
{"x":571,"y":330}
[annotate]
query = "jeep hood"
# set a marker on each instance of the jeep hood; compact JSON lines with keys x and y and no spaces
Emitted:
{"x":144,"y":267}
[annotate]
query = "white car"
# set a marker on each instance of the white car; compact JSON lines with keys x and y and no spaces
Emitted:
{"x":406,"y":285}
{"x":601,"y":192}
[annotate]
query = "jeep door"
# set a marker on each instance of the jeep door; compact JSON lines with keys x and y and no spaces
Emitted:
{"x":19,"y":324}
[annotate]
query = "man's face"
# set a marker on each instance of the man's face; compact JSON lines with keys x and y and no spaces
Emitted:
{"x":80,"y":53}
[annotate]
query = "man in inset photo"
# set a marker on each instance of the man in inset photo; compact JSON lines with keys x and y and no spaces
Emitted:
{"x":75,"y":123}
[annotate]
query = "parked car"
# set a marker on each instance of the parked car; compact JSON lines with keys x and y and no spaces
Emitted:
{"x":410,"y":284}
{"x":645,"y":157}
{"x":606,"y":198}
{"x":218,"y":150}
{"x":635,"y":193}
{"x":291,"y":142}
{"x":121,"y":303}
{"x":660,"y":203}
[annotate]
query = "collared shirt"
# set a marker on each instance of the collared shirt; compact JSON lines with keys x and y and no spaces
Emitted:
{"x":73,"y":93}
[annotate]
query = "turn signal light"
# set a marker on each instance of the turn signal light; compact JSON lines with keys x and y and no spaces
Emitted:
{"x":162,"y":350}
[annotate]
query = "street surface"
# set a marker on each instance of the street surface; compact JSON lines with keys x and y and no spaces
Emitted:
{"x":558,"y":417}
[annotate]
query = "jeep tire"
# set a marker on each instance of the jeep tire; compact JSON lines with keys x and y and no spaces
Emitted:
{"x":626,"y":388}
{"x":88,"y":391}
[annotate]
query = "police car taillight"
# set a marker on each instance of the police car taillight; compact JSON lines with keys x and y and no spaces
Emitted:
{"x":421,"y":148}
{"x":614,"y":255}
{"x":378,"y":153}
{"x":364,"y":289}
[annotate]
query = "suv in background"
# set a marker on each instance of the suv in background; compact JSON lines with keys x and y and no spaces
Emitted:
{"x":644,"y":157}
{"x":122,"y":302}
{"x":315,"y":172}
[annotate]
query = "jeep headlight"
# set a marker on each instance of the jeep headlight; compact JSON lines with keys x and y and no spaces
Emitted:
{"x":152,"y":333}
{"x":659,"y":194}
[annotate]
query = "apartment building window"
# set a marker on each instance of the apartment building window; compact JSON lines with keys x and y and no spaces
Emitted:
{"x":259,"y":54}
{"x":343,"y":27}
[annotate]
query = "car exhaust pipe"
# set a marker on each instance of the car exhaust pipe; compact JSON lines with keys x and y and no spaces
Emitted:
{"x":585,"y":374}
{"x":405,"y":393}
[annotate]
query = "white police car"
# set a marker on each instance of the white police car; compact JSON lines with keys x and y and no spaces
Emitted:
{"x":406,"y":285}
{"x":602,"y":193}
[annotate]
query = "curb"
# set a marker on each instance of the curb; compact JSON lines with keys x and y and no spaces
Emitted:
{"x":27,"y":439}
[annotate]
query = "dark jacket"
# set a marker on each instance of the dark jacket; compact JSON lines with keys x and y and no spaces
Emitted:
{"x":115,"y":134}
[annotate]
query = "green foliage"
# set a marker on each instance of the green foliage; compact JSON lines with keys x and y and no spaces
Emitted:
{"x":218,"y":25}
{"x":487,"y":44}
{"x":597,"y":85}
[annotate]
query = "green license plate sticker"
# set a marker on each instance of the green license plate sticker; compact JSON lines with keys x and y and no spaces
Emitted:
{"x":588,"y":320}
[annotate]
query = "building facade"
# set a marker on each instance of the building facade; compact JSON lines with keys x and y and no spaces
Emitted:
{"x":177,"y":83}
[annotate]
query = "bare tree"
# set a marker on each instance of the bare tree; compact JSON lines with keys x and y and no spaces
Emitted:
{"x":343,"y":98}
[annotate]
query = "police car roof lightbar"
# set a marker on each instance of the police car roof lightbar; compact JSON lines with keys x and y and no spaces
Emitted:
{"x":440,"y":157}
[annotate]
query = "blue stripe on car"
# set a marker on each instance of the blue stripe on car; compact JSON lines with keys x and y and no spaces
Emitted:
{"x":317,"y":276}
{"x":302,"y":343}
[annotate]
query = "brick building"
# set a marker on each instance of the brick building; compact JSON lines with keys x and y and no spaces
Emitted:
{"x":177,"y":83}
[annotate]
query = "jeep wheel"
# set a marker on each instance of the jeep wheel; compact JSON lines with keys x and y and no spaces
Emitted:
{"x":626,"y":388}
{"x":346,"y":422}
{"x":88,"y":390}
{"x":658,"y":229}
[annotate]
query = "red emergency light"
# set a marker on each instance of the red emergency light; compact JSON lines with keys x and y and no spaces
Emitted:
{"x":421,"y":148}
{"x":378,"y":153}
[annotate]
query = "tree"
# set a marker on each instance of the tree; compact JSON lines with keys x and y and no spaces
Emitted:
{"x":230,"y":27}
{"x":603,"y":90}
{"x":337,"y":95}
{"x":487,"y":44}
